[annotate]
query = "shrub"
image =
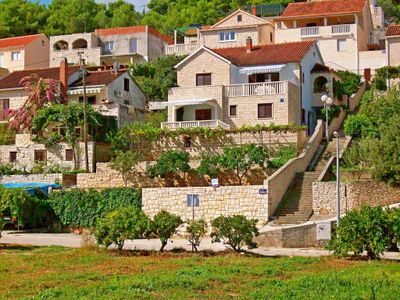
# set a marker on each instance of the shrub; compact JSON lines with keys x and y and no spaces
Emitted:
{"x":164,"y":225}
{"x":348,"y":84}
{"x":196,"y":231}
{"x":282,"y":156}
{"x":120,"y":225}
{"x":170,"y":164}
{"x":81,"y":208}
{"x":358,"y":126}
{"x":235,"y":231}
{"x":125,"y":163}
{"x":367,"y":229}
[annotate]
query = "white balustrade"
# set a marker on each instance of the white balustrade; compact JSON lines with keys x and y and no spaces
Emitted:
{"x":309,"y":31}
{"x":255,"y":89}
{"x":182,"y":48}
{"x":341,"y":29}
{"x":193,"y":124}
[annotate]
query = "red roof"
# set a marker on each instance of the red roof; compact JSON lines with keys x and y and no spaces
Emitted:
{"x":393,"y":30}
{"x":133,"y":29}
{"x":322,"y":8}
{"x":267,"y":54}
{"x":19,"y":41}
{"x":100,"y":77}
{"x":12,"y":80}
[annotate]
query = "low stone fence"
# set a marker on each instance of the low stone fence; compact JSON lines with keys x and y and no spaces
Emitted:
{"x":213,"y":202}
{"x":280,"y":181}
{"x":352,"y":196}
{"x":45,"y":178}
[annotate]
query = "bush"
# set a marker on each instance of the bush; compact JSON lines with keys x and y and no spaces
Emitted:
{"x":348,"y":85}
{"x":164,"y":225}
{"x":282,"y":156}
{"x":196,"y":231}
{"x":367,"y":229}
{"x":235,"y":231}
{"x":120,"y":225}
{"x":81,"y":208}
{"x":170,"y":164}
{"x":358,"y":126}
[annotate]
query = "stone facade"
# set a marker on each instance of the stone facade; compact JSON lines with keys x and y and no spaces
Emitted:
{"x":393,"y":50}
{"x":214,"y":202}
{"x":353,"y":195}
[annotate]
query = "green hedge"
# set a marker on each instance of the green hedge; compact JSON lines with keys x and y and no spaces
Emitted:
{"x":81,"y":208}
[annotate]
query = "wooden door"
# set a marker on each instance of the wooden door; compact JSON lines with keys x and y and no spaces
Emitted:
{"x":203,"y":114}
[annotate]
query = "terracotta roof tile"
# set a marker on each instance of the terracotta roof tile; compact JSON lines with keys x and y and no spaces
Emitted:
{"x":12,"y":80}
{"x":99,"y":78}
{"x":133,"y":29}
{"x":323,"y":8}
{"x":267,"y":54}
{"x":393,"y":30}
{"x":19,"y":41}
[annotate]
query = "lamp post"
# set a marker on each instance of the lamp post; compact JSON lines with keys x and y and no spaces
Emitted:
{"x":327,"y":104}
{"x":336,"y":135}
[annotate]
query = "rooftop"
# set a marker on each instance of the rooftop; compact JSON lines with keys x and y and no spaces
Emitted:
{"x":322,"y":8}
{"x":393,"y":30}
{"x":100,"y":77}
{"x":19,"y":41}
{"x":267,"y":54}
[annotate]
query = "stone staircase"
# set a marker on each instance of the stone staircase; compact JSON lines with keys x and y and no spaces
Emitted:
{"x":296,"y":206}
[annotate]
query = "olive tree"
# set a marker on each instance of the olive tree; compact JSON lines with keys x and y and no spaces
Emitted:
{"x":164,"y":225}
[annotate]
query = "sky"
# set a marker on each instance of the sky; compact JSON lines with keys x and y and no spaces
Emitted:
{"x":138,"y":3}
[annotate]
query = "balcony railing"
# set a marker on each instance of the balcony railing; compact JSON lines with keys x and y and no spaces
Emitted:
{"x":309,"y":31}
{"x":193,"y":124}
{"x":256,"y":89}
{"x":341,"y":29}
{"x":182,"y":48}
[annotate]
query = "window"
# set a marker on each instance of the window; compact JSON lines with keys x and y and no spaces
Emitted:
{"x":90,"y":99}
{"x":15,"y":55}
{"x":227,"y":36}
{"x":109,"y":47}
{"x":133,"y":45}
{"x":13,"y":156}
{"x":203,"y":79}
{"x":265,"y":110}
{"x":233,"y":110}
{"x":69,"y":155}
{"x":341,"y":45}
{"x":187,"y":141}
{"x":4,"y":107}
{"x":126,"y":84}
{"x":40,"y":155}
{"x":1,"y":60}
{"x":239,"y":18}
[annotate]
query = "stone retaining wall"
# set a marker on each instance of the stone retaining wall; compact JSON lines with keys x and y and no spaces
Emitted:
{"x":225,"y":200}
{"x":352,"y":196}
{"x":45,"y":178}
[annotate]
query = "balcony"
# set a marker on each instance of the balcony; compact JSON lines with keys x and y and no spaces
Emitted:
{"x":256,"y":89}
{"x":309,"y":31}
{"x":341,"y":29}
{"x":192,"y":124}
{"x":182,"y":49}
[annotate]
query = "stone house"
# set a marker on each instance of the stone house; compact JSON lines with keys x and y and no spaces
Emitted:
{"x":106,"y":46}
{"x":393,"y":45}
{"x":111,"y":92}
{"x":232,"y":31}
{"x":349,"y":33}
{"x":24,"y":52}
{"x":232,"y":87}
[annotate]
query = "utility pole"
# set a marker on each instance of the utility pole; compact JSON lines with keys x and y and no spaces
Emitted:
{"x":85,"y":123}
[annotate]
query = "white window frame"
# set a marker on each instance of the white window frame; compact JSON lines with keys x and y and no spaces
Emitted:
{"x":130,"y":45}
{"x":107,"y":48}
{"x":1,"y":60}
{"x":18,"y":55}
{"x":343,"y":47}
{"x":227,"y":36}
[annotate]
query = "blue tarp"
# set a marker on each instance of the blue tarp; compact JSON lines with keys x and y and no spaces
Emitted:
{"x":31,"y":187}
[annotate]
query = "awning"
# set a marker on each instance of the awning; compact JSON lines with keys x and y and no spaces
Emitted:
{"x":261,"y":69}
{"x":189,"y":102}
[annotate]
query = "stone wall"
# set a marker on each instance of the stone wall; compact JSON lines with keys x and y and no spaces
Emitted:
{"x":352,"y":196}
{"x":225,"y":200}
{"x":44,"y":178}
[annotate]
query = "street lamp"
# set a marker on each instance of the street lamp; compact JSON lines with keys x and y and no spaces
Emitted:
{"x":336,"y":135}
{"x":328,"y":101}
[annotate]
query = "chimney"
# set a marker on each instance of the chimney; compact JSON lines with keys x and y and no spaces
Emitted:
{"x":249,"y":45}
{"x":254,"y":10}
{"x":64,"y":79}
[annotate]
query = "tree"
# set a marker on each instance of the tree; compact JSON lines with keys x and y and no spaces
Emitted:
{"x":170,"y":164}
{"x":209,"y":165}
{"x":235,"y":231}
{"x":120,"y":225}
{"x":164,"y":225}
{"x":69,"y":117}
{"x":241,"y":159}
{"x":122,"y":14}
{"x":40,"y":92}
{"x":367,"y":229}
{"x":125,"y":163}
{"x":195,"y":232}
{"x":358,"y":156}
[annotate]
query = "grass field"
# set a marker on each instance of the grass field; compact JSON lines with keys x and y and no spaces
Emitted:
{"x":60,"y":273}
